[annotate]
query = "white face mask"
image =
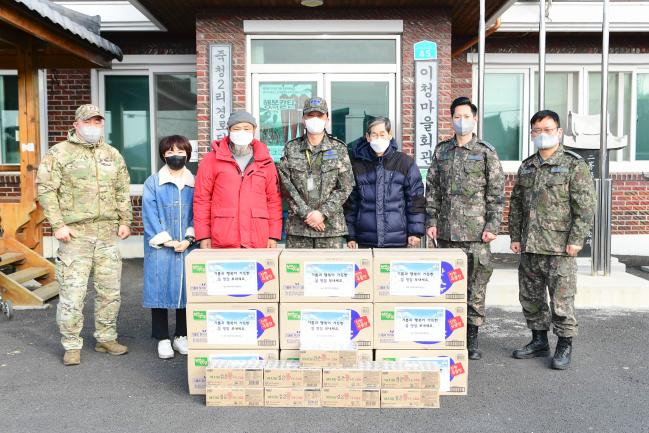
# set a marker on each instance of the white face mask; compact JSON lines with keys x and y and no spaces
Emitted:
{"x":379,"y":145}
{"x":241,"y":138}
{"x":315,"y":125}
{"x":92,"y":134}
{"x":545,"y":141}
{"x":463,"y":126}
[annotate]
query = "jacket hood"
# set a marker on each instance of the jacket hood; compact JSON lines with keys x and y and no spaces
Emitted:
{"x":259,"y":150}
{"x":363,"y":150}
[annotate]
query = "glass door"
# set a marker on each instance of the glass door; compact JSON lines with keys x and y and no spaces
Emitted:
{"x":354,"y":99}
{"x":277,"y":101}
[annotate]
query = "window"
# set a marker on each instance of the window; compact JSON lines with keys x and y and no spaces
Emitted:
{"x":144,"y":102}
{"x":642,"y":118}
{"x":504,"y":113}
{"x":619,"y":106}
{"x":561,"y":93}
{"x":9,"y":148}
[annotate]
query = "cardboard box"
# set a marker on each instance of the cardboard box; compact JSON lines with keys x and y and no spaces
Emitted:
{"x":357,"y":398}
{"x":357,"y":318}
{"x":232,"y":326}
{"x":235,"y":374}
{"x":420,"y":326}
{"x":409,"y":375}
{"x":420,"y":275}
{"x":199,"y":359}
{"x":220,"y":397}
{"x":409,"y":398}
{"x":453,"y":366}
{"x":294,"y":355}
{"x":232,"y":275}
{"x":325,"y":275}
{"x":293,"y":397}
{"x":365,"y":376}
{"x":329,"y":358}
{"x":289,"y":374}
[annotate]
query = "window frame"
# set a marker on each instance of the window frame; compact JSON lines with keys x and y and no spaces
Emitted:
{"x":143,"y":65}
{"x":581,"y":63}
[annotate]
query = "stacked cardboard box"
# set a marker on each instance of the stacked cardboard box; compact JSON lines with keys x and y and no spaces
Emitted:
{"x":420,"y":311}
{"x":326,"y":299}
{"x":369,"y":385}
{"x":232,"y":311}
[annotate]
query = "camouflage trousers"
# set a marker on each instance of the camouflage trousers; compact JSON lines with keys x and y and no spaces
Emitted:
{"x":92,"y":248}
{"x":480,"y":270}
{"x":539,"y":274}
{"x":293,"y":241}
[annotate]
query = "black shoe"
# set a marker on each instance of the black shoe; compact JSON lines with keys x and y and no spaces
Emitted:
{"x":562,"y":355}
{"x":537,"y":347}
{"x":472,"y":343}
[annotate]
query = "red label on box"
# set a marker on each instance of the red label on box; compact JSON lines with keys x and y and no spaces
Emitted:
{"x":455,"y":275}
{"x":266,"y":275}
{"x":455,"y":323}
{"x":362,"y":275}
{"x":457,"y":369}
{"x":266,"y":322}
{"x":362,"y":323}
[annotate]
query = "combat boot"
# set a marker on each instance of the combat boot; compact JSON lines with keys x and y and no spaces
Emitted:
{"x":112,"y":347}
{"x":537,"y":347}
{"x":562,"y":354}
{"x":72,"y":357}
{"x":472,"y":343}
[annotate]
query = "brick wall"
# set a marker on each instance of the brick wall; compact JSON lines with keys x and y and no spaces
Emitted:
{"x":226,"y":25}
{"x":9,"y":188}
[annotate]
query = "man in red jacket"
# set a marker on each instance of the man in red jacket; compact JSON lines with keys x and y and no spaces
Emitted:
{"x":237,"y":201}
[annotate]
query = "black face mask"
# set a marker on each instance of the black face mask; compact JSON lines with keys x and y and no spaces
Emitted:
{"x":175,"y":162}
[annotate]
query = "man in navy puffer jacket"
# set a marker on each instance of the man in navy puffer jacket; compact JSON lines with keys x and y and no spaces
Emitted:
{"x":387,"y":207}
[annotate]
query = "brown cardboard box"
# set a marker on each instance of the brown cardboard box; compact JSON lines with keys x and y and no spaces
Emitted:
{"x":420,"y":326}
{"x":217,"y":396}
{"x":289,"y":374}
{"x":232,"y":275}
{"x":420,"y":275}
{"x":409,"y":376}
{"x":199,"y":359}
{"x":235,"y":374}
{"x":294,"y":355}
{"x":365,"y":376}
{"x":329,"y":358}
{"x":293,"y":397}
{"x":409,"y":398}
{"x":360,"y":318}
{"x":308,"y":275}
{"x":210,"y":326}
{"x":357,"y":398}
{"x":453,"y":366}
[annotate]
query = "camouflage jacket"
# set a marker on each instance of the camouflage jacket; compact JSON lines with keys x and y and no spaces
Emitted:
{"x":465,"y":190}
{"x":552,"y":204}
{"x":80,"y":182}
{"x":333,"y":181}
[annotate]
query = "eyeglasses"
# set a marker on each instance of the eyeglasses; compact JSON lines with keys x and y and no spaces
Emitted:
{"x":537,"y":131}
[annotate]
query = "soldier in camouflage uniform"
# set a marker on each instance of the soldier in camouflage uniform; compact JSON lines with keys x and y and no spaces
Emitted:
{"x":83,"y":186}
{"x":316,"y":178}
{"x":464,"y":203}
{"x":550,"y":215}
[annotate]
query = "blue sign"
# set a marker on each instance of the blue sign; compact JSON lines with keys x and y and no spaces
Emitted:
{"x":425,"y":50}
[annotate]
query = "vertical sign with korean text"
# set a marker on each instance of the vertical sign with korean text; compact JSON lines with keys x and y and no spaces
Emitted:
{"x":425,"y":53}
{"x":220,"y":61}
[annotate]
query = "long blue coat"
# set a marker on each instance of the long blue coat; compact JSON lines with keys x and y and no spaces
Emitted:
{"x":167,"y":215}
{"x":387,"y":204}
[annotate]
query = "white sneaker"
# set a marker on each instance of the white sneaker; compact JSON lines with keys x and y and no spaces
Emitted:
{"x":164,"y":349}
{"x":180,"y":345}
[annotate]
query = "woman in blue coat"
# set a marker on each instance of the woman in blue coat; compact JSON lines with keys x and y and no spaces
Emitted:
{"x":387,"y":206}
{"x":168,"y":236}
